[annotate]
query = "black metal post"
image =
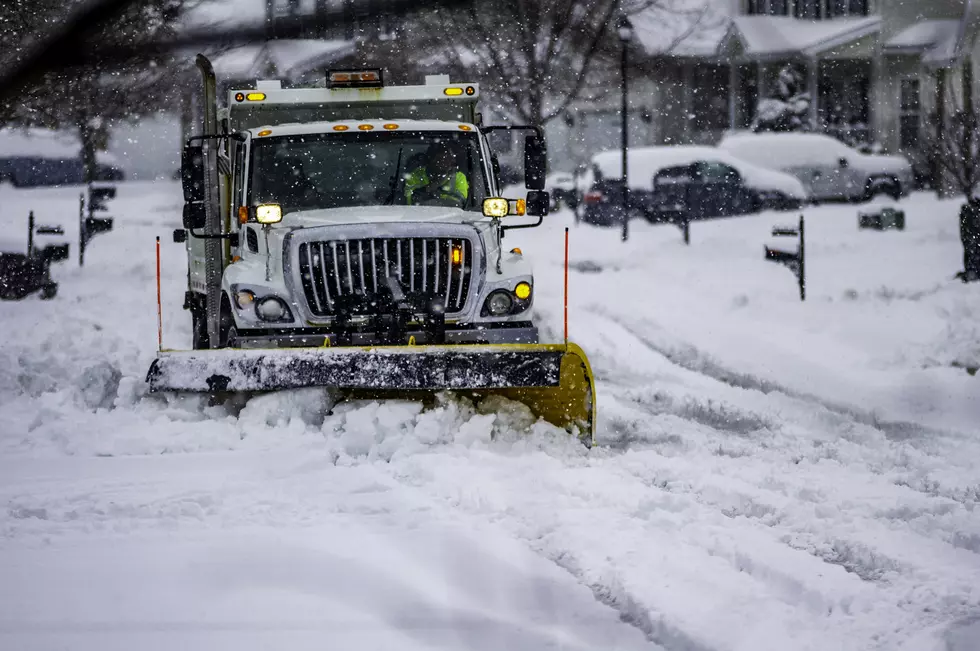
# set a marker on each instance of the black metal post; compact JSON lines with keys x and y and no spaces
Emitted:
{"x":625,"y":142}
{"x":802,"y":255}
{"x":30,"y":234}
{"x":81,"y":230}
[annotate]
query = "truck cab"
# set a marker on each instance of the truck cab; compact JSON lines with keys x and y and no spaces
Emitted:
{"x":354,"y":215}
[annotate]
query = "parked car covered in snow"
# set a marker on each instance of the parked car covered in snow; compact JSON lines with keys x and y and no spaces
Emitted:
{"x":708,"y":182}
{"x":561,"y":187}
{"x":828,"y":168}
{"x":40,"y":157}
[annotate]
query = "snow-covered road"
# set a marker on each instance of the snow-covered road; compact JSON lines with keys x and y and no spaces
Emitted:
{"x":772,"y":475}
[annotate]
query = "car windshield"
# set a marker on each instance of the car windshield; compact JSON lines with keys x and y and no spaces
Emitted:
{"x":336,"y":170}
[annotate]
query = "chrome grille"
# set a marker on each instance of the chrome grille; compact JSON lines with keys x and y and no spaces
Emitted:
{"x":339,"y":269}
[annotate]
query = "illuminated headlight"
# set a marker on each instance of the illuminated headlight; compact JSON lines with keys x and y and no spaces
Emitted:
{"x":271,"y":308}
{"x":269,"y":213}
{"x":499,"y":303}
{"x":244,"y":299}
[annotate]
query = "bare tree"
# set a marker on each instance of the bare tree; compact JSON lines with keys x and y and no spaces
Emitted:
{"x":953,"y":141}
{"x":89,"y":99}
{"x":536,"y":56}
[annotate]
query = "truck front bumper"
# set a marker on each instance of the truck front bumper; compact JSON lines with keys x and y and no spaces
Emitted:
{"x":308,"y":337}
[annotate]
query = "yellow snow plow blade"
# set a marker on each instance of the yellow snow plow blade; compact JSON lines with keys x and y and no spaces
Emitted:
{"x":554,"y":380}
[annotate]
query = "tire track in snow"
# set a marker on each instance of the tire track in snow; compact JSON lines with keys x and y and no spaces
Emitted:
{"x":691,"y":358}
{"x":920,"y":437}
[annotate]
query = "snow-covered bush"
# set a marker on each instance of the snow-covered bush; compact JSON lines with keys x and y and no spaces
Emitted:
{"x":789,"y":107}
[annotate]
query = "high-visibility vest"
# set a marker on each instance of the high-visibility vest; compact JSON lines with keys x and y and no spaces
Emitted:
{"x":454,"y":187}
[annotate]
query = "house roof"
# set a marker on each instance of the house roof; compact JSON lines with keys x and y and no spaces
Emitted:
{"x":771,"y":36}
{"x":923,"y":35}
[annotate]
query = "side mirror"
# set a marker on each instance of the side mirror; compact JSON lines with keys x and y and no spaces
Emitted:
{"x":192,"y":174}
{"x":538,"y":203}
{"x":535,"y":163}
{"x":844,"y":163}
{"x":195,"y":215}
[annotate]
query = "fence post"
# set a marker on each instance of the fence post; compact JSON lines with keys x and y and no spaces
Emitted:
{"x":802,"y":261}
{"x":30,"y":234}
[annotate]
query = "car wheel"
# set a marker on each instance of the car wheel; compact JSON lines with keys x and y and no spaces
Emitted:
{"x":888,"y":186}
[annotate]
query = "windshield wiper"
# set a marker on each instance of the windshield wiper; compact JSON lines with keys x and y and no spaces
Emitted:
{"x":394,"y":179}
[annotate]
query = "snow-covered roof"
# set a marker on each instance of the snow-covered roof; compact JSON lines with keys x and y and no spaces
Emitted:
{"x":289,"y":57}
{"x":924,"y":35}
{"x":781,"y":35}
{"x":44,"y":143}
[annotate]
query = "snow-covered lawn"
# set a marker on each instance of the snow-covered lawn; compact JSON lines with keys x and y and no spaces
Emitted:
{"x":772,"y":475}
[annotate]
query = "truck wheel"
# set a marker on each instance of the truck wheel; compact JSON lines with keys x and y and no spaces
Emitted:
{"x":49,"y":291}
{"x":199,"y":331}
{"x":227,"y":330}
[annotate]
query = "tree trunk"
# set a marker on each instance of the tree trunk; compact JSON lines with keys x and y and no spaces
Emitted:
{"x":970,"y":238}
{"x":87,"y":136}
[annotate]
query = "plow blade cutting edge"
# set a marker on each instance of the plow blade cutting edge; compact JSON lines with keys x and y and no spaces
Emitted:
{"x":554,"y":380}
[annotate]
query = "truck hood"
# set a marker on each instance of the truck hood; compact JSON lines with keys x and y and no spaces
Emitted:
{"x":378,"y":214}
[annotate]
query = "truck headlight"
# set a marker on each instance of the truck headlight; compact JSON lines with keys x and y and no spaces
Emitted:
{"x":272,"y":308}
{"x":244,"y":298}
{"x":269,"y":213}
{"x":499,"y":303}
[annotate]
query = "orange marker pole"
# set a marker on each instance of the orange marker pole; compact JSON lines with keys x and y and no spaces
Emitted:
{"x":566,"y":285}
{"x":159,"y":306}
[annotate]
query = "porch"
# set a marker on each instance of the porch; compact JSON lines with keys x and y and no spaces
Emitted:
{"x":719,"y":90}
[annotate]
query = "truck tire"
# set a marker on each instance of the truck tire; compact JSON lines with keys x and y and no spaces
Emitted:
{"x":199,"y":330}
{"x":227,"y":330}
{"x":49,"y":291}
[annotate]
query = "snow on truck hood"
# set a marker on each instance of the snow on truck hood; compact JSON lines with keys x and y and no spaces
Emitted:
{"x":377,"y":215}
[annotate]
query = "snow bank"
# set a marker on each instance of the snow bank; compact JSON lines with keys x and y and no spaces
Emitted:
{"x":645,"y":162}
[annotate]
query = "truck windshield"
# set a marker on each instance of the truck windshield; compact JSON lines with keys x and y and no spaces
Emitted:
{"x":335,"y":170}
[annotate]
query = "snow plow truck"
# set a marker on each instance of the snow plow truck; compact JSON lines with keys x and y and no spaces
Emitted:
{"x":326,"y":249}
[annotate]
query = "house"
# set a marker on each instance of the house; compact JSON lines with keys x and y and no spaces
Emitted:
{"x":872,"y":68}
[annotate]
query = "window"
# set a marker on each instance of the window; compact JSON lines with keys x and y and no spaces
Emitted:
{"x":909,"y":114}
{"x":317,"y":171}
{"x":808,"y":9}
{"x":844,"y":8}
{"x":715,"y":172}
{"x":768,"y":7}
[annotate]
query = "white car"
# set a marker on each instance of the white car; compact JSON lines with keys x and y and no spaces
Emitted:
{"x":828,"y":168}
{"x":561,"y":187}
{"x":662,"y":177}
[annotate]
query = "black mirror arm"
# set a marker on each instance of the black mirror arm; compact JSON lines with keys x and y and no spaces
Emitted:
{"x":220,"y":236}
{"x":504,"y":229}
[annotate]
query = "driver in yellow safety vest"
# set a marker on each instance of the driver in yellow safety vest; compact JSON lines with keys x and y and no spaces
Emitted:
{"x":438,"y":179}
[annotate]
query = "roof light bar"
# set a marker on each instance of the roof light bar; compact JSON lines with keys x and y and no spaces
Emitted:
{"x":366,"y":78}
